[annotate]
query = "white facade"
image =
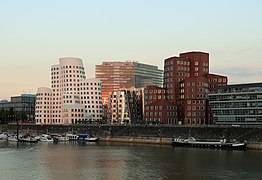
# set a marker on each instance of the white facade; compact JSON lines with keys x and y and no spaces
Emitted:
{"x":72,"y":99}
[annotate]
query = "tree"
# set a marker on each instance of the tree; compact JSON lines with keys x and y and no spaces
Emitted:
{"x":21,"y":115}
{"x":11,"y":115}
{"x":105,"y":114}
{"x":2,"y":116}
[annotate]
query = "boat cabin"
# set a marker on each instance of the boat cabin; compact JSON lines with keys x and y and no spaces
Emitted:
{"x":84,"y":136}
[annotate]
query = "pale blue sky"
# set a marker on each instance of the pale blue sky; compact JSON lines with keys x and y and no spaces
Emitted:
{"x":34,"y":34}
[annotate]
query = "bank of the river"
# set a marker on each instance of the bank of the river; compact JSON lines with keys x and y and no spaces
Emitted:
{"x":163,"y":141}
{"x":156,"y":134}
{"x":141,"y":140}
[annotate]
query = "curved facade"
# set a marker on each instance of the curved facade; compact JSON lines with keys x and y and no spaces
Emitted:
{"x":64,"y":98}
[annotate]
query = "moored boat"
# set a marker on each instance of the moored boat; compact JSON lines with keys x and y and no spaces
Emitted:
{"x":12,"y":138}
{"x":216,"y":144}
{"x":87,"y":137}
{"x":25,"y":138}
{"x":3,"y":135}
{"x":28,"y":140}
{"x":45,"y":138}
{"x":72,"y":137}
{"x":61,"y":138}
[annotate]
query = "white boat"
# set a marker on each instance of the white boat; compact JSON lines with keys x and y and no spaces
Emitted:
{"x":45,"y":138}
{"x":12,"y":138}
{"x":87,"y":137}
{"x":28,"y":140}
{"x":61,"y":138}
{"x":72,"y":137}
{"x":3,"y":136}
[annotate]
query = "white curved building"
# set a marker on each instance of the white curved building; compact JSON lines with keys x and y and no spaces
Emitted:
{"x":72,"y":99}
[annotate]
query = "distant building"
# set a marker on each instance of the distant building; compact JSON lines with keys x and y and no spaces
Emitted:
{"x":72,"y":99}
{"x":237,"y":104}
{"x":25,"y":103}
{"x":122,"y":75}
{"x":126,"y":106}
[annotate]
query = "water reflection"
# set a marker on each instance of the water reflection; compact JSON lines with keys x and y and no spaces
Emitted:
{"x":73,"y":160}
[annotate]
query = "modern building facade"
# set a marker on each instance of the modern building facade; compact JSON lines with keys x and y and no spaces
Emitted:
{"x":237,"y":104}
{"x":125,"y":106}
{"x":72,"y":99}
{"x":158,"y":110}
{"x":187,"y":82}
{"x":123,"y":75}
{"x":25,"y":103}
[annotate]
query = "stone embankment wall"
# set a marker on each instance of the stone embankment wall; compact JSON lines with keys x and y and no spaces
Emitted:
{"x":152,"y":134}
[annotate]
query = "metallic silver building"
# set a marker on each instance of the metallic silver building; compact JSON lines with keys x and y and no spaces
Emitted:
{"x":237,"y":104}
{"x":126,"y":106}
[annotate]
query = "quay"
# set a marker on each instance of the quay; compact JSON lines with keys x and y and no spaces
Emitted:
{"x":150,"y":134}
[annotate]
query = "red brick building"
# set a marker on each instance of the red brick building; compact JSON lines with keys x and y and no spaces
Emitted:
{"x":187,"y":82}
{"x":158,"y":110}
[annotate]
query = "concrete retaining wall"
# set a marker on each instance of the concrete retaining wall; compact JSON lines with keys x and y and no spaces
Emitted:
{"x":152,"y":134}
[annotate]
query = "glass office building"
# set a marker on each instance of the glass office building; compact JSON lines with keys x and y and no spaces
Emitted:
{"x":122,"y":75}
{"x":237,"y":104}
{"x":24,"y":103}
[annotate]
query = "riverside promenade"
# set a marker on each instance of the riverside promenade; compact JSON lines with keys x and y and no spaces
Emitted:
{"x":152,"y":134}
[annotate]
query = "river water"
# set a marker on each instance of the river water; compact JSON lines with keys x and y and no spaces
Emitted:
{"x":71,"y":160}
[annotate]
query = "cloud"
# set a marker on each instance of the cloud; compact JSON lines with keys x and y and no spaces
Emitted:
{"x":240,"y":74}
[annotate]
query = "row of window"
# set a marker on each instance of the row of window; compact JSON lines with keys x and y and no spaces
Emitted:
{"x":47,"y":111}
{"x":70,"y":71}
{"x":89,"y":102}
{"x":236,"y":104}
{"x":160,"y":114}
{"x":202,"y":114}
{"x":44,"y":121}
{"x":224,"y":80}
{"x":235,"y":97}
{"x":196,"y":101}
{"x":158,"y":120}
{"x":47,"y":115}
{"x":155,"y":97}
{"x":43,"y":94}
{"x":68,"y":76}
{"x":70,"y":67}
{"x":155,"y":91}
{"x":189,"y":96}
{"x":91,"y":97}
{"x":160,"y":108}
{"x":195,"y":84}
{"x":195,"y":107}
{"x":195,"y":121}
{"x":194,"y":90}
{"x":185,"y":63}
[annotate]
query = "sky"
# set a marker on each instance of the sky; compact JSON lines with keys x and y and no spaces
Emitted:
{"x":35,"y":34}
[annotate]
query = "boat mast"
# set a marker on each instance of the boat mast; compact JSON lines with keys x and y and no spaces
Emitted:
{"x":17,"y":131}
